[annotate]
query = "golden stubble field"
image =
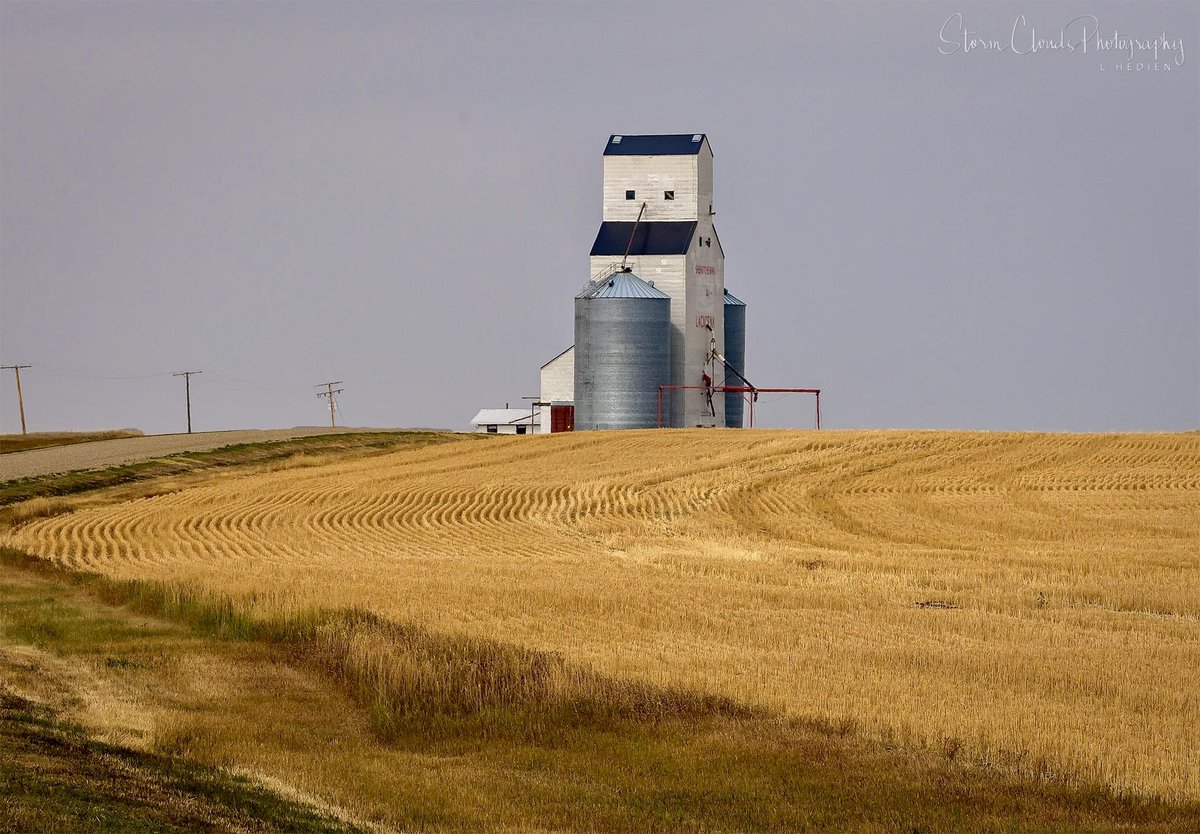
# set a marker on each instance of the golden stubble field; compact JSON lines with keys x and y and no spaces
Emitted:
{"x":1030,"y":601}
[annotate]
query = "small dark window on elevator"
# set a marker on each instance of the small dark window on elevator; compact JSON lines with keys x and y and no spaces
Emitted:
{"x":630,"y":195}
{"x":521,"y":429}
{"x":668,"y":195}
{"x":492,"y":429}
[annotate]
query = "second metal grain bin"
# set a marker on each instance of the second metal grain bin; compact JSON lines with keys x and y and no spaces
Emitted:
{"x":622,"y":352}
{"x":735,"y":352}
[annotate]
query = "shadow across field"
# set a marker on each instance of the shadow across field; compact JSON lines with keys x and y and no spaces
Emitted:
{"x":468,"y":734}
{"x":54,"y":778}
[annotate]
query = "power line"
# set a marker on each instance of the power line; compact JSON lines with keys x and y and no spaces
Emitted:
{"x":265,"y":386}
{"x":50,"y":370}
{"x":79,"y":373}
{"x":16,"y":369}
{"x":216,"y":383}
{"x":329,"y":392}
{"x":187,"y":385}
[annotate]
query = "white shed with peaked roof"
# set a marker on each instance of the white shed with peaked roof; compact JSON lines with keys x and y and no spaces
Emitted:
{"x":506,"y":421}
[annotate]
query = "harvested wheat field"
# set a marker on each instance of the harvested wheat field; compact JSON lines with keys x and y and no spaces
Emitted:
{"x":1028,"y":601}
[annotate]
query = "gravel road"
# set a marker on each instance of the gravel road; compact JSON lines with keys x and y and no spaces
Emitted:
{"x":101,"y":454}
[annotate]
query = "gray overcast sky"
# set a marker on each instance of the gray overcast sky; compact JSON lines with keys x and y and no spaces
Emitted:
{"x":403,"y":197}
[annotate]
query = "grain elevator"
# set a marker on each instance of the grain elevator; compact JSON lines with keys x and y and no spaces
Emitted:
{"x":653,"y":313}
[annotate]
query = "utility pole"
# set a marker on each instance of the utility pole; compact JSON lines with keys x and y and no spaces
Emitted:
{"x":187,"y":386}
{"x":20,"y":399}
{"x":329,"y":392}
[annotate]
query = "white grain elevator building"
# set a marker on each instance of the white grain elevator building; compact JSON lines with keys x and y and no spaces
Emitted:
{"x":657,"y":224}
{"x":675,"y":247}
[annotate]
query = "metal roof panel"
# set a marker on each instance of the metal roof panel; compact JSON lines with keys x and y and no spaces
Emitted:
{"x":621,"y":285}
{"x":662,"y":144}
{"x":652,"y":237}
{"x":503,"y":416}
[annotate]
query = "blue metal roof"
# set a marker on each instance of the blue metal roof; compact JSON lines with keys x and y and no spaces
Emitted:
{"x":657,"y":237}
{"x":621,"y":285}
{"x":732,"y":300}
{"x":666,"y":144}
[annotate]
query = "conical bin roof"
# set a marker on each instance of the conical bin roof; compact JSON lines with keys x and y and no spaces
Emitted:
{"x":621,"y":285}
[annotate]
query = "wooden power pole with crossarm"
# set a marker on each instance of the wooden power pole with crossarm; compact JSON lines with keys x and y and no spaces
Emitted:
{"x":329,"y":392}
{"x":187,"y":387}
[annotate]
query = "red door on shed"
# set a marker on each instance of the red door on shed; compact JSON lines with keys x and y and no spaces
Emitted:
{"x":562,"y":418}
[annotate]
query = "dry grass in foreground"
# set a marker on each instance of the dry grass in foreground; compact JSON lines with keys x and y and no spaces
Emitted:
{"x":404,"y":730}
{"x":1027,"y":602}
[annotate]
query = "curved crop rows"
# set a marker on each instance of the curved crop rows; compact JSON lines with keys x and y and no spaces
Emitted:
{"x":1031,"y":600}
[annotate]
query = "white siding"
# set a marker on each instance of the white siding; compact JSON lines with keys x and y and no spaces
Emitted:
{"x":505,"y":428}
{"x":688,"y":175}
{"x":506,"y":420}
{"x":558,"y":378}
{"x":706,"y":303}
{"x":705,"y":166}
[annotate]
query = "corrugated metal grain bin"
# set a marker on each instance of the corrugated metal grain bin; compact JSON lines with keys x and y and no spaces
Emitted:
{"x":622,"y":353}
{"x":735,"y":352}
